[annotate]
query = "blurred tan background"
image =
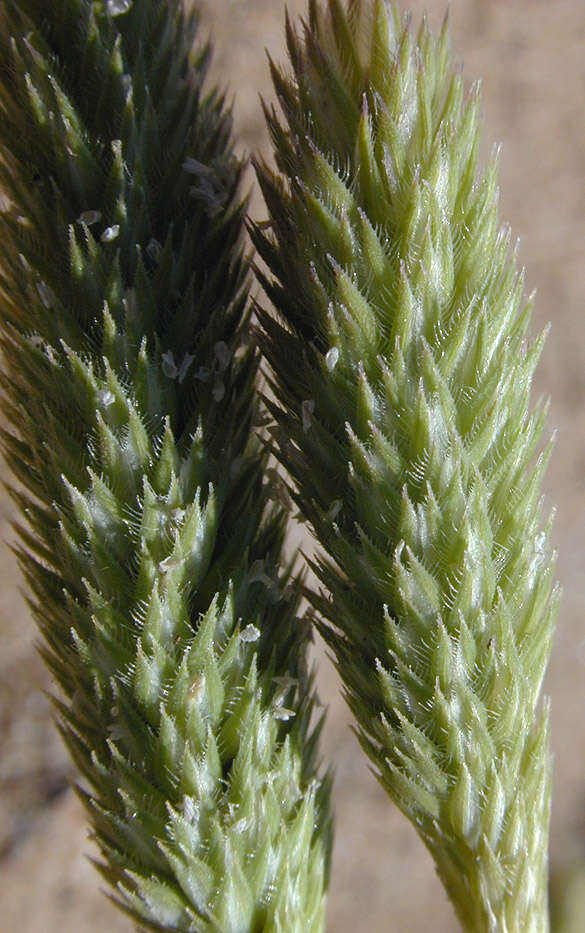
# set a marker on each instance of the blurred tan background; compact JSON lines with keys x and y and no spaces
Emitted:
{"x":530,"y":55}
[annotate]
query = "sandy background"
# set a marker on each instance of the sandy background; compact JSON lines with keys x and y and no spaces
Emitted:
{"x":529,"y":54}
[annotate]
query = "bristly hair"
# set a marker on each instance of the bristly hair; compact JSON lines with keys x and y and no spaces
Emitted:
{"x":401,"y":378}
{"x":129,"y":389}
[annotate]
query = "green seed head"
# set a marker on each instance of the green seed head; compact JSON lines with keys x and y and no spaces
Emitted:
{"x":402,"y":369}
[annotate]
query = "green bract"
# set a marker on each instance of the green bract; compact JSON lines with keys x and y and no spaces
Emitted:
{"x":150,"y":548}
{"x":402,"y":376}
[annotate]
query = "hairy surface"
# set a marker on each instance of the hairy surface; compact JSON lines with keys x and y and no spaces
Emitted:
{"x":402,"y":372}
{"x":150,"y":546}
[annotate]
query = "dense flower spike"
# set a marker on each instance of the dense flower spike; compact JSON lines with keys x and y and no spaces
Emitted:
{"x":402,"y":377}
{"x":150,"y":546}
